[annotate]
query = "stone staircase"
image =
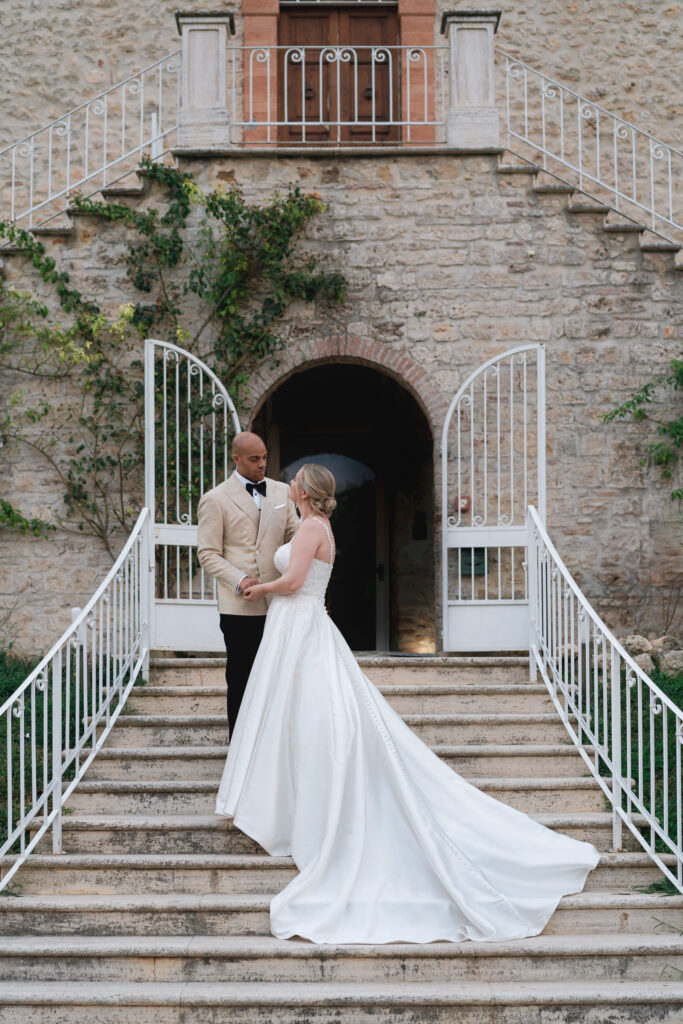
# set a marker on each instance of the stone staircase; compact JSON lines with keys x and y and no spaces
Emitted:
{"x":539,"y":183}
{"x":157,"y":911}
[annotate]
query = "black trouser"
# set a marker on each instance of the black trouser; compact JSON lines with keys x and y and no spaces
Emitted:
{"x":242,"y":635}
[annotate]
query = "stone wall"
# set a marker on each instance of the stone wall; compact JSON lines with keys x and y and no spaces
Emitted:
{"x":449,"y":263}
{"x":54,"y":54}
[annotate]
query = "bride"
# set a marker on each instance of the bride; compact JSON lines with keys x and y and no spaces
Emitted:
{"x":391,"y":844}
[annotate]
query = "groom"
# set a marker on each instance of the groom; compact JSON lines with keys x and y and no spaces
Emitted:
{"x":240,"y":524}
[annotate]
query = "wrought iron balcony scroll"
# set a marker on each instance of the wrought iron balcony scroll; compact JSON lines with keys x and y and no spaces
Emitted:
{"x":584,"y":145}
{"x":330,"y":93}
{"x":628,"y":732}
{"x":54,"y":724}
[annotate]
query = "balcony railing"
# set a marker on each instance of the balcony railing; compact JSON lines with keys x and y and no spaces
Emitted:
{"x":341,"y":95}
{"x":230,"y":96}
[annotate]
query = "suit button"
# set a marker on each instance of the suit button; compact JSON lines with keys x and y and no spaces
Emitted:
{"x":258,"y":552}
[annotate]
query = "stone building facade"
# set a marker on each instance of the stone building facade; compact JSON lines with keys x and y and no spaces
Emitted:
{"x":450,"y":261}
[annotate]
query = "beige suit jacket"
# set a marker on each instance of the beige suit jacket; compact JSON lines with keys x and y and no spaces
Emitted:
{"x":234,"y":539}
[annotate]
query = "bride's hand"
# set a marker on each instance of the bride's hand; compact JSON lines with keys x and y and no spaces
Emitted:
{"x":254,"y":593}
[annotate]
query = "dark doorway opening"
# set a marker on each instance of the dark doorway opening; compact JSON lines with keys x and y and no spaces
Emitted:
{"x":371,"y":433}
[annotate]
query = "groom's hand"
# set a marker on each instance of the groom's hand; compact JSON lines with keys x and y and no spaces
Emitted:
{"x":248,"y":581}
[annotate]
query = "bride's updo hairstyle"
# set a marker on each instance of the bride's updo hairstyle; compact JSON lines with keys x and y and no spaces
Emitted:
{"x":319,"y":484}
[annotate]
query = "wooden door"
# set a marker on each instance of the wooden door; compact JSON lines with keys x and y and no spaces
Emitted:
{"x":335,"y":94}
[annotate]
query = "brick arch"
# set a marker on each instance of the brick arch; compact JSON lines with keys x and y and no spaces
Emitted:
{"x":362,"y":351}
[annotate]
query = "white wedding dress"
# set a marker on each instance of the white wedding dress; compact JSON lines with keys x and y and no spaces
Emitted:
{"x":390,"y":843}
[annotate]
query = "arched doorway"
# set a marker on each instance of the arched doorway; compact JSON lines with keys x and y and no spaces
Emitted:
{"x":371,"y":433}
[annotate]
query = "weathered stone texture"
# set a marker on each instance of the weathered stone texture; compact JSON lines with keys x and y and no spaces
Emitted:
{"x":609,"y":315}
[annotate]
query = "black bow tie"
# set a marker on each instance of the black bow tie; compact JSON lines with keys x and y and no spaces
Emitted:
{"x":260,"y":487}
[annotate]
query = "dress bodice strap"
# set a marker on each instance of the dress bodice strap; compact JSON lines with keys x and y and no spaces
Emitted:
{"x":327,"y":531}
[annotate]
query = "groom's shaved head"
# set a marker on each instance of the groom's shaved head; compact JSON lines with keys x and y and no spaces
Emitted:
{"x":250,"y":455}
{"x":244,"y":440}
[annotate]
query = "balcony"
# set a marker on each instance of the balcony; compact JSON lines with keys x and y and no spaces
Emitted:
{"x":218,"y":95}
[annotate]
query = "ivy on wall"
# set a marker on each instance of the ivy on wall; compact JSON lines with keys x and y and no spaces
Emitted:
{"x":208,"y":271}
{"x":665,"y":452}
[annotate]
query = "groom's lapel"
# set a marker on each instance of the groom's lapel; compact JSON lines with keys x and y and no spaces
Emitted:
{"x":239,"y":495}
{"x":267,"y":506}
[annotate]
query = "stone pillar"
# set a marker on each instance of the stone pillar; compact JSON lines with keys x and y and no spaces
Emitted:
{"x":472,"y":117}
{"x":203,"y":119}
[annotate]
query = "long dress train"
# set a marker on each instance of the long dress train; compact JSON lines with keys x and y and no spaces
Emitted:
{"x":390,"y":843}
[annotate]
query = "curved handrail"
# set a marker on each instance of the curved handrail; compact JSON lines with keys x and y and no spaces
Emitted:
{"x":626,"y":729}
{"x":590,"y":148}
{"x":91,"y":145}
{"x":67,"y":705}
{"x":82,"y":616}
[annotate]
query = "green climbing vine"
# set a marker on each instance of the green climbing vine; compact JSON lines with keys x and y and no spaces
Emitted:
{"x":665,"y":453}
{"x":207,"y":270}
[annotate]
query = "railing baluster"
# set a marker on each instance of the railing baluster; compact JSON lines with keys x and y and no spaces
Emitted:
{"x":57,"y":758}
{"x":76,"y":662}
{"x":650,"y":198}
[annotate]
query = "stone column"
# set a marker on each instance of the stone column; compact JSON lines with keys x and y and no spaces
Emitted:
{"x":472,"y":117}
{"x":203,"y":119}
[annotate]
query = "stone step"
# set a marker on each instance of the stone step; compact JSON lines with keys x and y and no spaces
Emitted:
{"x":395,"y":671}
{"x":614,"y":224}
{"x":585,"y":204}
{"x":552,"y":188}
{"x":558,"y":760}
{"x":237,"y":914}
{"x":211,"y":730}
{"x":117,"y":192}
{"x":505,"y":698}
{"x":510,"y":165}
{"x":134,"y":185}
{"x":264,"y":959}
{"x":54,"y":229}
{"x":199,"y":797}
{"x":73,"y":873}
{"x":655,"y":243}
{"x":468,"y":1002}
{"x":195,"y":833}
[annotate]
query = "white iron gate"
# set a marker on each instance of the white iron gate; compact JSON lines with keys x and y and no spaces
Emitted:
{"x":493,"y":466}
{"x":189,"y":424}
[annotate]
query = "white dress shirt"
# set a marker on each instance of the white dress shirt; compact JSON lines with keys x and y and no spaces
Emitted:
{"x":256,"y":495}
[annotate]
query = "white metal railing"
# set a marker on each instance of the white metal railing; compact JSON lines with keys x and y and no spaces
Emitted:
{"x":91,"y":146}
{"x":343,"y":95}
{"x":600,"y":153}
{"x":628,"y":732}
{"x":57,"y":720}
{"x":340,"y":94}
